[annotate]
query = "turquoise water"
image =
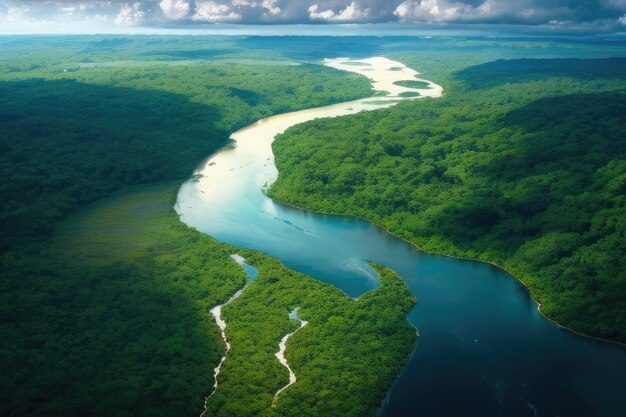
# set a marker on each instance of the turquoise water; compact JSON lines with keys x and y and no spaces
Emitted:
{"x":484,"y":349}
{"x":250,"y":271}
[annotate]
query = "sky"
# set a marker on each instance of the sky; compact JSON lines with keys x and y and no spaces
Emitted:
{"x":159,"y":16}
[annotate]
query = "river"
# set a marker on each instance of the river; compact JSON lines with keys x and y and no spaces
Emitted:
{"x":484,"y":349}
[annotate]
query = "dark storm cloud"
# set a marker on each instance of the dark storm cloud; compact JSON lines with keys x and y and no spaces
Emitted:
{"x":557,"y":13}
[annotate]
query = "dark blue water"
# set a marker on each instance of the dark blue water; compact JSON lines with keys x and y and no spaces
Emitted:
{"x":484,"y":349}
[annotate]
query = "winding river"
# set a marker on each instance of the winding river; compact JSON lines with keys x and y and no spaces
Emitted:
{"x":484,"y":349}
{"x":216,"y":312}
{"x":280,"y":355}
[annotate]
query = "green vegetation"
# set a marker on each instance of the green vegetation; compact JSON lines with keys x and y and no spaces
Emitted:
{"x":69,"y":138}
{"x":529,"y":174}
{"x":350,"y":349}
{"x":105,"y":311}
{"x":413,"y":84}
{"x":111,"y":316}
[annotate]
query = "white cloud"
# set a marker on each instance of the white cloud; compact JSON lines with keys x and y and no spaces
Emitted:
{"x":79,"y":8}
{"x":529,"y":12}
{"x":437,"y":10}
{"x":209,"y":11}
{"x":605,"y":15}
{"x":271,"y":7}
{"x":352,"y":13}
{"x":130,"y":15}
{"x":175,"y":9}
{"x":68,"y":10}
{"x":16,"y":13}
{"x":244,"y":3}
{"x":614,"y":3}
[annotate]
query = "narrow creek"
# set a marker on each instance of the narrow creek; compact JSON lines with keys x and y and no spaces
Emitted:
{"x":216,"y":312}
{"x":483,"y":350}
{"x":282,"y":346}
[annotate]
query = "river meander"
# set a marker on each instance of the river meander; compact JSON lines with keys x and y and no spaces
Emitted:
{"x":484,"y":349}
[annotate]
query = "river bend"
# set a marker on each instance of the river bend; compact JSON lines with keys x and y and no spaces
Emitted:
{"x":484,"y":349}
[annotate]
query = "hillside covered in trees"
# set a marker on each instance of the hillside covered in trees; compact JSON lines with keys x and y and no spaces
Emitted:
{"x":70,"y":134}
{"x":110,"y":317}
{"x":104,"y":308}
{"x":105,"y":294}
{"x":522,"y":163}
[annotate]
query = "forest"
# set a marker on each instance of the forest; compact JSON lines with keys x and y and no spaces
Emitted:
{"x":105,"y":294}
{"x":110,"y":317}
{"x":131,"y":125}
{"x":524,"y":168}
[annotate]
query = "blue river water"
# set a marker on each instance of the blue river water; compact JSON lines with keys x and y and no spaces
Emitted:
{"x":484,"y":349}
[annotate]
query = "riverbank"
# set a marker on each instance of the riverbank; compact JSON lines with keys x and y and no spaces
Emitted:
{"x":334,"y":250}
{"x":226,"y":174}
{"x":509,"y":271}
{"x":458,"y":176}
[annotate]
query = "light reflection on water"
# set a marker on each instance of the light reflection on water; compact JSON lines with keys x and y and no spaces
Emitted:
{"x":483,"y":350}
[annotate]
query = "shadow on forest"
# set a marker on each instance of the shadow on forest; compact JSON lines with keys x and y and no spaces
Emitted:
{"x":103,"y":319}
{"x":499,"y":72}
{"x":555,"y":155}
{"x":53,"y":160}
{"x":565,"y":129}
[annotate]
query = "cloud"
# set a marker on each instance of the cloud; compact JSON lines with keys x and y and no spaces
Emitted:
{"x":130,"y":15}
{"x":352,"y":13}
{"x":432,"y":10}
{"x":464,"y":11}
{"x":604,"y":15}
{"x":271,"y":7}
{"x":15,"y":13}
{"x":527,"y":12}
{"x":252,"y":8}
{"x":212,"y":12}
{"x":175,"y":9}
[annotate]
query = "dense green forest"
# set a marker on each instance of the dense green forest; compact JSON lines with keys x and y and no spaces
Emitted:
{"x":68,"y":138}
{"x":521,"y":163}
{"x":104,"y":308}
{"x":110,"y":317}
{"x":105,"y":312}
{"x":350,"y":348}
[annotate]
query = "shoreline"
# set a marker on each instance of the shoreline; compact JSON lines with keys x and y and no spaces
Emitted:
{"x":218,"y":178}
{"x":219,"y":183}
{"x":510,"y":272}
{"x":250,"y":153}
